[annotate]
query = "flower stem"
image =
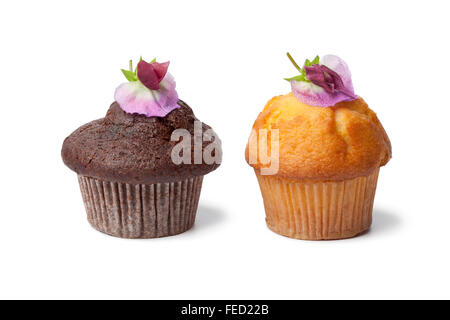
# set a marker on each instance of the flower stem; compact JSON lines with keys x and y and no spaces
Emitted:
{"x":131,"y":65}
{"x":293,"y":62}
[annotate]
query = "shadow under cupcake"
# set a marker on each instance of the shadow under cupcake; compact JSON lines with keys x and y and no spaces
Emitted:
{"x":141,"y":167}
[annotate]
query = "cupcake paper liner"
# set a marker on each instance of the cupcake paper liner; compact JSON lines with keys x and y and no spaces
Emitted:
{"x":318,"y":210}
{"x":141,"y":211}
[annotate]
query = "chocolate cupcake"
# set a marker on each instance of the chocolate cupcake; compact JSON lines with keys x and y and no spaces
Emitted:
{"x":141,"y":167}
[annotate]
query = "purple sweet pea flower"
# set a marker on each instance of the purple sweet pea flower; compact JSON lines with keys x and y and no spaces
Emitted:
{"x":327,"y":79}
{"x":331,"y":83}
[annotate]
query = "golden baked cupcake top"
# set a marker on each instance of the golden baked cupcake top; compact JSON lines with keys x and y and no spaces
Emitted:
{"x":319,"y":142}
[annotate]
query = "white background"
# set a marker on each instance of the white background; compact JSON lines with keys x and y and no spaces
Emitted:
{"x":60,"y":63}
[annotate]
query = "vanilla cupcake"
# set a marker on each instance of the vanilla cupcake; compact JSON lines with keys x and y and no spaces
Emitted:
{"x":316,"y":153}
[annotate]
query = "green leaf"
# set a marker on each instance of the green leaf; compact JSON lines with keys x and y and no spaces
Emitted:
{"x":154,"y":60}
{"x":130,"y":75}
{"x":303,"y":76}
{"x":135,"y":69}
{"x":316,"y":60}
{"x":300,"y":77}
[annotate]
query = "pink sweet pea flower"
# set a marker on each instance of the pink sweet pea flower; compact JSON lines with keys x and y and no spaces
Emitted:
{"x":153,"y":93}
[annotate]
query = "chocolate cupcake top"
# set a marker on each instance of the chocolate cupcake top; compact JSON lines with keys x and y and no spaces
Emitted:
{"x":144,"y":138}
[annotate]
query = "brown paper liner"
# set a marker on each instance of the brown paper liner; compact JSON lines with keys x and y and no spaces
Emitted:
{"x":141,"y":211}
{"x":318,"y":210}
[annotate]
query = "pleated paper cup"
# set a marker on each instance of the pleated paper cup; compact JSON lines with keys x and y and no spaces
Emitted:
{"x":318,"y":210}
{"x":141,"y":211}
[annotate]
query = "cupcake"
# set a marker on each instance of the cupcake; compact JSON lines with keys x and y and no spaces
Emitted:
{"x":141,"y":167}
{"x":317,"y":152}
